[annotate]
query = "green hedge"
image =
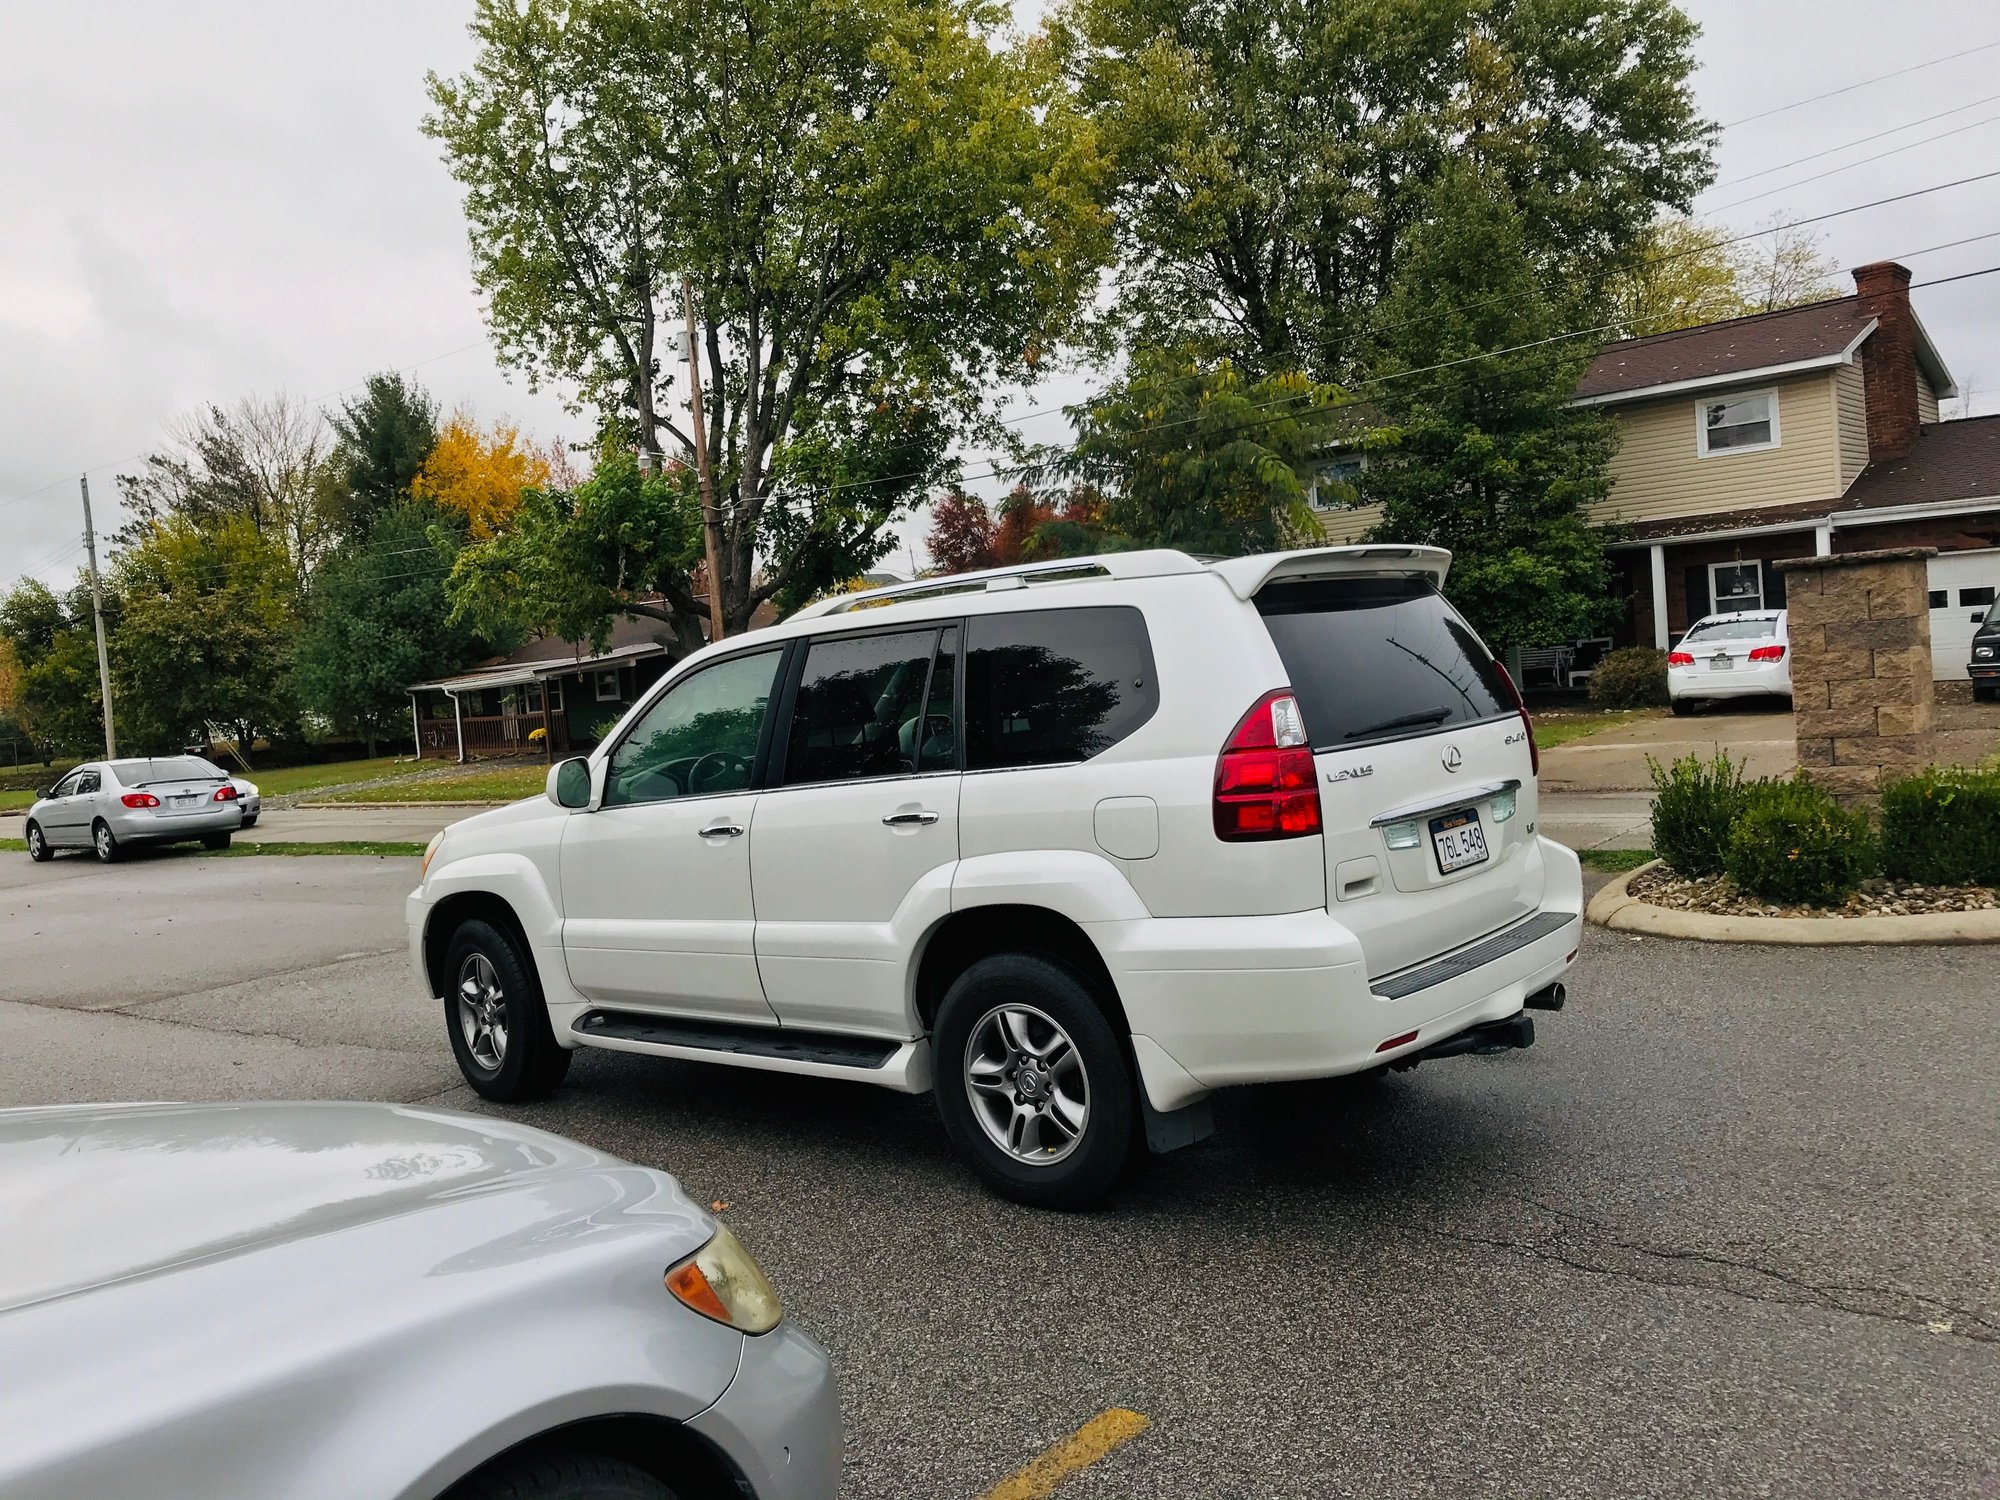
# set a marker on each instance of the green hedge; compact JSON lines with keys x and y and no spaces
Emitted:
{"x":1695,"y":803}
{"x":1635,"y":677}
{"x":1793,"y":843}
{"x":1943,"y":827}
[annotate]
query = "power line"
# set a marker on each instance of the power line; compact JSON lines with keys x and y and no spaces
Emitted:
{"x":1858,"y":162}
{"x":1961,"y":276}
{"x":1864,"y":83}
{"x":1799,"y":161}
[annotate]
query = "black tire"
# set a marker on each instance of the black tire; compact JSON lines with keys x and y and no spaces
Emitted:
{"x":530,"y":1062}
{"x":1094,"y":1163}
{"x":1984,"y":692}
{"x":561,"y":1476}
{"x":1681,"y":707}
{"x":104,"y":843}
{"x":251,"y":821}
{"x":39,"y":848}
{"x":215,"y":841}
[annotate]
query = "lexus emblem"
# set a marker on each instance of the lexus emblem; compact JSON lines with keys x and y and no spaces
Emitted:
{"x":1451,"y":758}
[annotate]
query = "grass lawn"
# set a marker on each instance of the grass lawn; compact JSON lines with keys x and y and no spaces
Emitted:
{"x":281,"y":780}
{"x":1560,"y":726}
{"x":1614,"y":861}
{"x":495,"y":784}
{"x":17,"y":799}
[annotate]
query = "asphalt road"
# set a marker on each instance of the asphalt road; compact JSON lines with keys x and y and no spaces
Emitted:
{"x":1732,"y":1228}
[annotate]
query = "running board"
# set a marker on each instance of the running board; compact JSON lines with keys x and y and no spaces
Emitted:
{"x":904,"y":1066}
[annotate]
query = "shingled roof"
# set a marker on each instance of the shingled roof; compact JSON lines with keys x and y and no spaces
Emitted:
{"x":1820,"y":331}
{"x":1951,"y":461}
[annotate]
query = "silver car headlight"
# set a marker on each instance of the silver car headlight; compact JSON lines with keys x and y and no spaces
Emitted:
{"x":722,"y":1281}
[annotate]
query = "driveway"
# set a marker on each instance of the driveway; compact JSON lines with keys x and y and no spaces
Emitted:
{"x":1614,"y":760}
{"x":1730,"y":1228}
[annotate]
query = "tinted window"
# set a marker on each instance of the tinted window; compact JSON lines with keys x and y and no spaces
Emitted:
{"x":937,"y":748}
{"x":1054,"y":685}
{"x":1733,"y":630}
{"x":1379,"y":659}
{"x":859,"y":710}
{"x":1975,"y":596}
{"x":67,"y":786}
{"x":165,"y":768}
{"x":699,"y":738}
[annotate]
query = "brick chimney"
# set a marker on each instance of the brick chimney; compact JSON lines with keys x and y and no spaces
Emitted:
{"x":1889,"y":359}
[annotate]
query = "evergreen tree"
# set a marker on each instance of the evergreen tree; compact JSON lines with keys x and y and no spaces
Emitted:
{"x":384,"y":438}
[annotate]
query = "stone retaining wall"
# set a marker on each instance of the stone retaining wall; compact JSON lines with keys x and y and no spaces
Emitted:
{"x":1862,"y":696}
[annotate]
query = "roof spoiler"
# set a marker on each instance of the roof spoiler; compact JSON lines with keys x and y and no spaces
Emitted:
{"x":1247,"y":575}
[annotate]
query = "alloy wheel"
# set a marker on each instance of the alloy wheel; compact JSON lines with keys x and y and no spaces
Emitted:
{"x":482,"y":1012}
{"x":1027,"y":1083}
{"x":104,"y":842}
{"x":35,"y":840}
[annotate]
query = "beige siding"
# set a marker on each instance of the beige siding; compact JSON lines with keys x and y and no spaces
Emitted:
{"x":1851,"y":392}
{"x":1348,"y":523}
{"x":1658,"y":472}
{"x":1927,"y":412}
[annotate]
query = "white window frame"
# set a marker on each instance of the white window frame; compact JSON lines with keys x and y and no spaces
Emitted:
{"x":1715,"y":596}
{"x":1701,"y":447}
{"x":1313,"y":497}
{"x":597,"y":682}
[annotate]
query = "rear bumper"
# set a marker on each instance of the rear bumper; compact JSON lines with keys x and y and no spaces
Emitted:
{"x":1742,"y":682}
{"x":779,"y":1421}
{"x":1228,"y":1000}
{"x":141,"y":828}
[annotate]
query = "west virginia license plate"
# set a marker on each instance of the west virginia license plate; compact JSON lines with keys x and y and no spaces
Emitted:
{"x":1458,"y":840}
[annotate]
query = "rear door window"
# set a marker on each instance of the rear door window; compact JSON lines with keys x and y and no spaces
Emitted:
{"x":860,"y":708}
{"x":1052,"y":686}
{"x":1374,"y":659}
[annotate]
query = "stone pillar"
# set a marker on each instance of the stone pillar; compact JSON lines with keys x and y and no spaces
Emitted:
{"x":1862,"y":694}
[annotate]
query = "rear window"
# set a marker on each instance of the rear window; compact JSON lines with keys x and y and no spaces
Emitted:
{"x":1732,"y":630}
{"x":170,"y":768}
{"x":1379,"y":659}
{"x":1053,"y":685}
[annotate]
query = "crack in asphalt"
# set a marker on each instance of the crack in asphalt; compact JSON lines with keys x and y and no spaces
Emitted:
{"x":1974,"y":1325}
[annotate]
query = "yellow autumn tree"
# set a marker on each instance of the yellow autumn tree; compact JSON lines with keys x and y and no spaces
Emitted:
{"x":480,"y":474}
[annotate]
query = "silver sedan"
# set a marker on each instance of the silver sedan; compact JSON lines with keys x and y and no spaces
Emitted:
{"x":111,"y":805}
{"x":336,"y":1300}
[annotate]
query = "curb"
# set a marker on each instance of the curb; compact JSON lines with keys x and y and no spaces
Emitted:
{"x":1615,"y":908}
{"x":406,"y":806}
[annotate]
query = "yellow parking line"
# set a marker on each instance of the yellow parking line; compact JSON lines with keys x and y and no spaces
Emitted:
{"x":1094,"y":1440}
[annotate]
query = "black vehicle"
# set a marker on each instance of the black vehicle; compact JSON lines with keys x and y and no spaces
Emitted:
{"x":1984,"y":667}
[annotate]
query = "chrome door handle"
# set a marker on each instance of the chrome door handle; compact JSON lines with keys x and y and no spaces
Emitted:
{"x":909,"y":819}
{"x":722,"y":831}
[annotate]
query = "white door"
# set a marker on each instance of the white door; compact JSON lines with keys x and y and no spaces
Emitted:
{"x":656,"y":882}
{"x":1961,"y":585}
{"x":857,"y":837}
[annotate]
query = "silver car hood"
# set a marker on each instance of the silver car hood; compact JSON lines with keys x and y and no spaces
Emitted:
{"x":98,"y":1194}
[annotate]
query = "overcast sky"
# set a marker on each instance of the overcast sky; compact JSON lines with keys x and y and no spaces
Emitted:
{"x":199,"y":200}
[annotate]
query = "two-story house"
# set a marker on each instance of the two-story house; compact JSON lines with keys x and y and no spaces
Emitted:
{"x":1808,"y":431}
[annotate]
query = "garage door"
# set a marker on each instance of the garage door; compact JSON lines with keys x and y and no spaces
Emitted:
{"x":1962,"y":585}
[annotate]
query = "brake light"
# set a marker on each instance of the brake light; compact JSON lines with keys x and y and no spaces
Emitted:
{"x":1527,"y":724}
{"x":1680,"y":658}
{"x":140,"y":799}
{"x":1768,"y":653}
{"x":1265,"y":784}
{"x":225,"y":793}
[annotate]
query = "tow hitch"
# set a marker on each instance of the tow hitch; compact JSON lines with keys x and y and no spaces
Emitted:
{"x":1484,"y":1040}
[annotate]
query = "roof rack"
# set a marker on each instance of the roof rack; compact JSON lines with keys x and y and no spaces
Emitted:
{"x":1147,"y":564}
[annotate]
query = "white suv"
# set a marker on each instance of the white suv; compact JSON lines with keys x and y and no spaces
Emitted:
{"x":1072,"y":845}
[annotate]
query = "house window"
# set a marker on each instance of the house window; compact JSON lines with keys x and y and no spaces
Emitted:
{"x":1939,"y":598}
{"x":607,"y":686}
{"x":1344,"y":470}
{"x":1970,"y":597}
{"x":555,"y":695}
{"x":1734,"y":586}
{"x":1740,"y":424}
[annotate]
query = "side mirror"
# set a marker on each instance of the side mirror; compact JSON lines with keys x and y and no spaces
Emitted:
{"x":575,"y":784}
{"x":45,"y":793}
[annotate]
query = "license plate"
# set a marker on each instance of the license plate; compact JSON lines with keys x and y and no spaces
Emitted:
{"x":1458,"y":840}
{"x":1721,"y":664}
{"x":187,"y":801}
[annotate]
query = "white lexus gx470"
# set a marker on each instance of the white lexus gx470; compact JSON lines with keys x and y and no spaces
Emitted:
{"x":1070,"y":844}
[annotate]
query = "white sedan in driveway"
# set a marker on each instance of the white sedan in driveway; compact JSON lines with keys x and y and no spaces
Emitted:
{"x":1741,"y":655}
{"x":326,"y":1301}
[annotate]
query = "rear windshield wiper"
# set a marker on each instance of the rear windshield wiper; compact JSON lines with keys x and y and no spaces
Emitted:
{"x":1401,"y":721}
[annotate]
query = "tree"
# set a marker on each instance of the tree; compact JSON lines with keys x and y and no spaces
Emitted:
{"x":207,"y":619}
{"x":52,"y":640}
{"x":882,"y":208}
{"x":1784,"y":267}
{"x":1272,"y":155}
{"x":961,"y":535}
{"x":382,"y":441}
{"x":1685,"y":273}
{"x":378,"y":620}
{"x":1204,"y":458}
{"x":1486,"y":456}
{"x":480,"y":476}
{"x":263,"y":461}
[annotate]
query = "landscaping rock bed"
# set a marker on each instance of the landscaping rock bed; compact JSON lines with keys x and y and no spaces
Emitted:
{"x":1718,"y":896}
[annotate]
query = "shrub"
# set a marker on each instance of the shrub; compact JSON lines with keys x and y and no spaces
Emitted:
{"x":1793,"y":843}
{"x":1943,"y":827}
{"x":1694,"y":804}
{"x":1635,"y":677}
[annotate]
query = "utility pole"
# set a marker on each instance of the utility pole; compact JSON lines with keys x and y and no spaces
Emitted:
{"x":711,"y":523}
{"x":97,"y":613}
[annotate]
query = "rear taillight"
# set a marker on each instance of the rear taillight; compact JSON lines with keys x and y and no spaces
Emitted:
{"x":1680,"y":658}
{"x":1265,"y":783}
{"x":1527,"y":724}
{"x":225,"y":793}
{"x":140,"y":799}
{"x":1768,"y":653}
